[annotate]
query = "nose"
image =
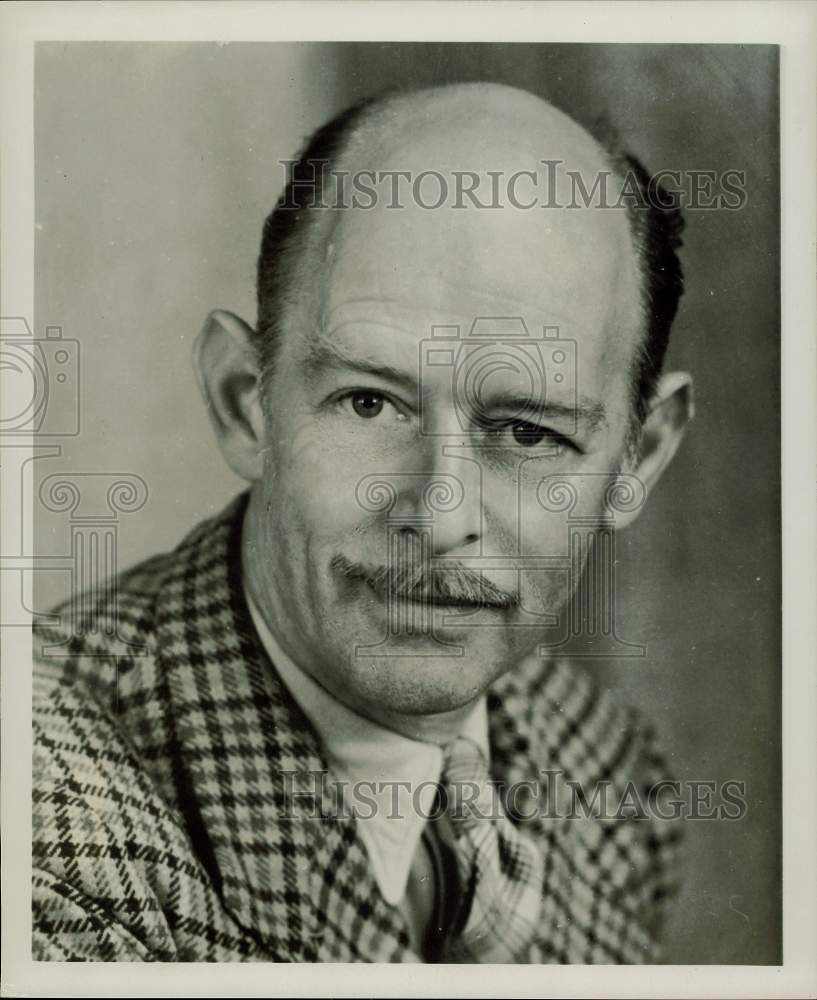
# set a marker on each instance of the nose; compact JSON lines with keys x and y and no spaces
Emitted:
{"x":444,"y":501}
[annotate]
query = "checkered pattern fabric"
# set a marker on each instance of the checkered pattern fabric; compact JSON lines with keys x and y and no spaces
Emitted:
{"x":500,"y":868}
{"x":166,"y":823}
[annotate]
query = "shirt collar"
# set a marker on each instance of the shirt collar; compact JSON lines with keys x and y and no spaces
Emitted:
{"x":391,"y":778}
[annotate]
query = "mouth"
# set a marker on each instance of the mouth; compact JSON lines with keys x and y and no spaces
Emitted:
{"x":435,"y":602}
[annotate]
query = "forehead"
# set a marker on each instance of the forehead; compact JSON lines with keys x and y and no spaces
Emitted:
{"x":391,"y":278}
{"x":561,"y":266}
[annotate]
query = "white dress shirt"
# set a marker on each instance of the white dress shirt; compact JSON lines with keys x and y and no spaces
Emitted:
{"x":359,"y":750}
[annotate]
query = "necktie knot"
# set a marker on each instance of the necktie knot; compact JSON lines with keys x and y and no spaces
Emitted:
{"x":463,"y":760}
{"x":469,"y":796}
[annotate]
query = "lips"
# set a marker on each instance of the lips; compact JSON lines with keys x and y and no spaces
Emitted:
{"x":434,"y":602}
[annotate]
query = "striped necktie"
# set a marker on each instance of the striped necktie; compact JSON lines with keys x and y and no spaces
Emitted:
{"x":500,"y":869}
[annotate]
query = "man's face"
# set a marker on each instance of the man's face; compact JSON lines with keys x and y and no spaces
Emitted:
{"x":387,"y":459}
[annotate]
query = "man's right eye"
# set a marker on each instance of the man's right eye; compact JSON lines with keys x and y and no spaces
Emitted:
{"x":367,"y":404}
{"x":372,"y":405}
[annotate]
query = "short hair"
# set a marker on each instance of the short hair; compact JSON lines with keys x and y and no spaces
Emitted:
{"x":291,"y":229}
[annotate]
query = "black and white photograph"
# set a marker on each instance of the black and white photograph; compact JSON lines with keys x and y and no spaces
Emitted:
{"x":397,"y":442}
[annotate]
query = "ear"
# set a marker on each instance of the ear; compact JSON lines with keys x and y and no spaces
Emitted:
{"x":671,"y":408}
{"x":226,"y":367}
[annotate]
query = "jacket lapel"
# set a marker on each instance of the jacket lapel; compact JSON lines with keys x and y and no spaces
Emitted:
{"x":293,"y":873}
{"x":551,"y":725}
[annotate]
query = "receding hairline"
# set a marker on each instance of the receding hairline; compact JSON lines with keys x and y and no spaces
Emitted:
{"x":383,"y":122}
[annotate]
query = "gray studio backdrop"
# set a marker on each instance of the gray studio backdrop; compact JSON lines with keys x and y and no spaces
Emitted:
{"x":155,"y":166}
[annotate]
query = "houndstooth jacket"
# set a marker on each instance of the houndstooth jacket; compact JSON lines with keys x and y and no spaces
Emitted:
{"x":162,"y":768}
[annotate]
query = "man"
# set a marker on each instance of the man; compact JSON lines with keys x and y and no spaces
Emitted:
{"x":375,"y":610}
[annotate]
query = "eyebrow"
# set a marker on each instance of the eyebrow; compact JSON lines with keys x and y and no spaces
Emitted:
{"x":590,"y":412}
{"x":324,"y":357}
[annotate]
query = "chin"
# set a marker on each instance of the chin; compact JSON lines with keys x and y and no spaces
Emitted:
{"x":415,"y":682}
{"x":427,"y":672}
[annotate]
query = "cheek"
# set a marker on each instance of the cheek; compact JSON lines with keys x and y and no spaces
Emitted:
{"x":545,"y":522}
{"x":312,"y":484}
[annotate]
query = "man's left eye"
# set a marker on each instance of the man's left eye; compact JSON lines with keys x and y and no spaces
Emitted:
{"x":529,"y":435}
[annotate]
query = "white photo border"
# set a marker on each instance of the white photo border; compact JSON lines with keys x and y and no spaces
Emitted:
{"x":791,"y":25}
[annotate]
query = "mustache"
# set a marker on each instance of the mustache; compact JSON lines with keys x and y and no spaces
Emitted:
{"x":453,"y":585}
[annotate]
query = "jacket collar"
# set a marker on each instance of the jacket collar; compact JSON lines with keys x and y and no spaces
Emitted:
{"x":249,"y":767}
